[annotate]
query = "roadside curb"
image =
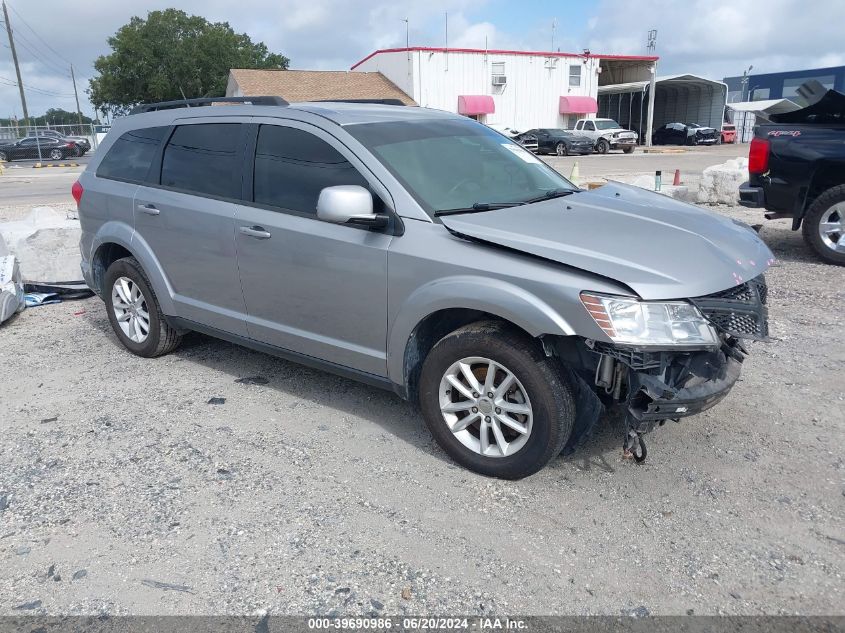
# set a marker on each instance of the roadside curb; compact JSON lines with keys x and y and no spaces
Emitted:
{"x":661,"y":150}
{"x":41,"y":165}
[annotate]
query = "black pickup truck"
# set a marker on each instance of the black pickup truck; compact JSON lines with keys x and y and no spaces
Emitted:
{"x":796,"y":169}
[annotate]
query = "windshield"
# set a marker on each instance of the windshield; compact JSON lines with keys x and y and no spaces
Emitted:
{"x":607,"y":125}
{"x":453,"y":164}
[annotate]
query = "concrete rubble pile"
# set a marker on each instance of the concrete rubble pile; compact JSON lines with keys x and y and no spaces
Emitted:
{"x":46,"y":245}
{"x":720,"y":183}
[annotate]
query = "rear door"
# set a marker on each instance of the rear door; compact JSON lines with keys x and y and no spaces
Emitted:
{"x":187,"y":218}
{"x":310,"y":286}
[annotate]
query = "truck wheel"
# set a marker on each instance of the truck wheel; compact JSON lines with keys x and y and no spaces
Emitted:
{"x":824,"y":226}
{"x":134,"y":313}
{"x":602,"y":147}
{"x":494,"y":401}
{"x":628,"y":150}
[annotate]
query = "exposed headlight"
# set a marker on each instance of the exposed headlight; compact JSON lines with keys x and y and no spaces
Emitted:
{"x":649,"y":323}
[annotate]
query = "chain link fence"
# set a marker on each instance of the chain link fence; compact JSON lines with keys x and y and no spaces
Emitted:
{"x":93,"y":133}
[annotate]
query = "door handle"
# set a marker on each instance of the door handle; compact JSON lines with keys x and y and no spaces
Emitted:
{"x":257,"y":232}
{"x":148,"y":209}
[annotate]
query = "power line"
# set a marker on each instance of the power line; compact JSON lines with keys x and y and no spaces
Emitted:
{"x":52,"y":66}
{"x":35,"y":33}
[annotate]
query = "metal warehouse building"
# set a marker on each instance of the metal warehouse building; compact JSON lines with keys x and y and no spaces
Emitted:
{"x":678,"y":99}
{"x":520,"y":89}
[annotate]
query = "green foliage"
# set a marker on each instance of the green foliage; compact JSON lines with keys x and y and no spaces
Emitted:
{"x":53,"y":116}
{"x":171,"y":53}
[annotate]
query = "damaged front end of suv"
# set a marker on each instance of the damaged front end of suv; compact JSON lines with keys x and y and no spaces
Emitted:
{"x":668,"y":360}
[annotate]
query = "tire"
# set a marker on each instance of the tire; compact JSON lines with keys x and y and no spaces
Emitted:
{"x":56,"y":154}
{"x":602,"y":146}
{"x":828,"y":208}
{"x":561,"y":149}
{"x":160,"y":338}
{"x":628,"y":150}
{"x":538,"y":382}
{"x":4,"y":157}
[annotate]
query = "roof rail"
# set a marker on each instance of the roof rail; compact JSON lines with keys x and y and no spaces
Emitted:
{"x":204,"y":101}
{"x":396,"y":102}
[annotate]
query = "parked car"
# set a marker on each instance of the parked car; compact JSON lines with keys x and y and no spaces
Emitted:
{"x":82,"y":143}
{"x":560,"y":142}
{"x":728,"y":134}
{"x":38,"y":147}
{"x":795,"y":170}
{"x":528,"y":141}
{"x":372,"y":241}
{"x":607,"y":134}
{"x":684,"y":134}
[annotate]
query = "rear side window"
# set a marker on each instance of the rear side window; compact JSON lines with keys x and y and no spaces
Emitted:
{"x":130,"y":156}
{"x":292,"y":166}
{"x":203,"y":158}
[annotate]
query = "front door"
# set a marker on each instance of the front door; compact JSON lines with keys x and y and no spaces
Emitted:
{"x":312,"y":287}
{"x":187,"y":218}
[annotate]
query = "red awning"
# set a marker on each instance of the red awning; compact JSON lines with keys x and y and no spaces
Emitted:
{"x":476,"y":104}
{"x":579,"y":105}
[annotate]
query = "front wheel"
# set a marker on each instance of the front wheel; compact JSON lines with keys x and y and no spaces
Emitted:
{"x":824,"y":226}
{"x":561,"y":149}
{"x":134,"y":313}
{"x":602,"y":147}
{"x":494,"y":401}
{"x":4,"y":157}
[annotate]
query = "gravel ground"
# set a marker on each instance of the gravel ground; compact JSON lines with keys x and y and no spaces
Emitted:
{"x":124,"y":491}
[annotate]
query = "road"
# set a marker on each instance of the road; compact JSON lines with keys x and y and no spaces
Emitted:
{"x":22,"y":184}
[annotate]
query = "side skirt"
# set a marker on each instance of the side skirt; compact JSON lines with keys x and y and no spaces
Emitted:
{"x":309,"y":361}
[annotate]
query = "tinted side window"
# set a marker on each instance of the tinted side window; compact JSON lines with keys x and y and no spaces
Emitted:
{"x":203,"y":158}
{"x":589,"y":125}
{"x":292,"y":166}
{"x":130,"y":156}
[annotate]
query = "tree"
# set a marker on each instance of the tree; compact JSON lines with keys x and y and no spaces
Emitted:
{"x":171,"y":54}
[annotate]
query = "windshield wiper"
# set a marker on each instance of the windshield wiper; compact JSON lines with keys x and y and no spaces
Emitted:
{"x":478,"y":207}
{"x":550,"y":194}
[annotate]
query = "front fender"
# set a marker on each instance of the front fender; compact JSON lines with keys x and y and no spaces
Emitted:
{"x":494,"y":296}
{"x":124,"y":235}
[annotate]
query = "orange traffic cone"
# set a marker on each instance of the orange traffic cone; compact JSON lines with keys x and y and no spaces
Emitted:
{"x":677,"y":179}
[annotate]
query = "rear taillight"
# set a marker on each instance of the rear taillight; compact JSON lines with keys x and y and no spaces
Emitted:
{"x":76,"y":191}
{"x":758,"y":156}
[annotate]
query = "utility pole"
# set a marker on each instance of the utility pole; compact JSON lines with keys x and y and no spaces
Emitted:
{"x":554,"y":26}
{"x":76,"y":94}
{"x":15,"y":60}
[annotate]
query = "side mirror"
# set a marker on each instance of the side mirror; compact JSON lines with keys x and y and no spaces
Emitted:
{"x":349,"y":204}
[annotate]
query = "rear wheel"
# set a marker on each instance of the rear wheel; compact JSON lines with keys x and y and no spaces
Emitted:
{"x":134,"y":313}
{"x":823,"y":226}
{"x":561,"y":149}
{"x":629,"y":150}
{"x":56,"y":154}
{"x":602,"y":147}
{"x":4,"y":157}
{"x":494,"y":402}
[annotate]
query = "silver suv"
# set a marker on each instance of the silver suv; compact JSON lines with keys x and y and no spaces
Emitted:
{"x":425,"y":253}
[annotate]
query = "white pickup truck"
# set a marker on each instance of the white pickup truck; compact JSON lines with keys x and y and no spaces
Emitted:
{"x":607,"y":134}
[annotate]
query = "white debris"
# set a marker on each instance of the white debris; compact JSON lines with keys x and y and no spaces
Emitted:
{"x":46,"y":245}
{"x":720,"y":183}
{"x":678,"y":192}
{"x":11,"y":287}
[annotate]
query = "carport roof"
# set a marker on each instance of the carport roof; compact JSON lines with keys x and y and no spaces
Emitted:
{"x":642,"y":86}
{"x":767,"y":106}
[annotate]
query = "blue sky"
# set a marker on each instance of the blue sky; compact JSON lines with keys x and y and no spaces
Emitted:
{"x":713,"y":38}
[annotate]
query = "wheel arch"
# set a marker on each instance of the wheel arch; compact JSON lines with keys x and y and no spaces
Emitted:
{"x":827,"y":174}
{"x":116,"y":241}
{"x":441,"y":307}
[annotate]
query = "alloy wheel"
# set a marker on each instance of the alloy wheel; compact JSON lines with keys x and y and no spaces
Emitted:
{"x":485,"y":407}
{"x":55,"y":155}
{"x":832,"y":228}
{"x":130,"y":309}
{"x":561,"y":149}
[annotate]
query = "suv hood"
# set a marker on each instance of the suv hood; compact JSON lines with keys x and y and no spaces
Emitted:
{"x":657,"y":246}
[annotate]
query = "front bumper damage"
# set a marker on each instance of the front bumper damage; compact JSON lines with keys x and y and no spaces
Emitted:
{"x":659,"y":385}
